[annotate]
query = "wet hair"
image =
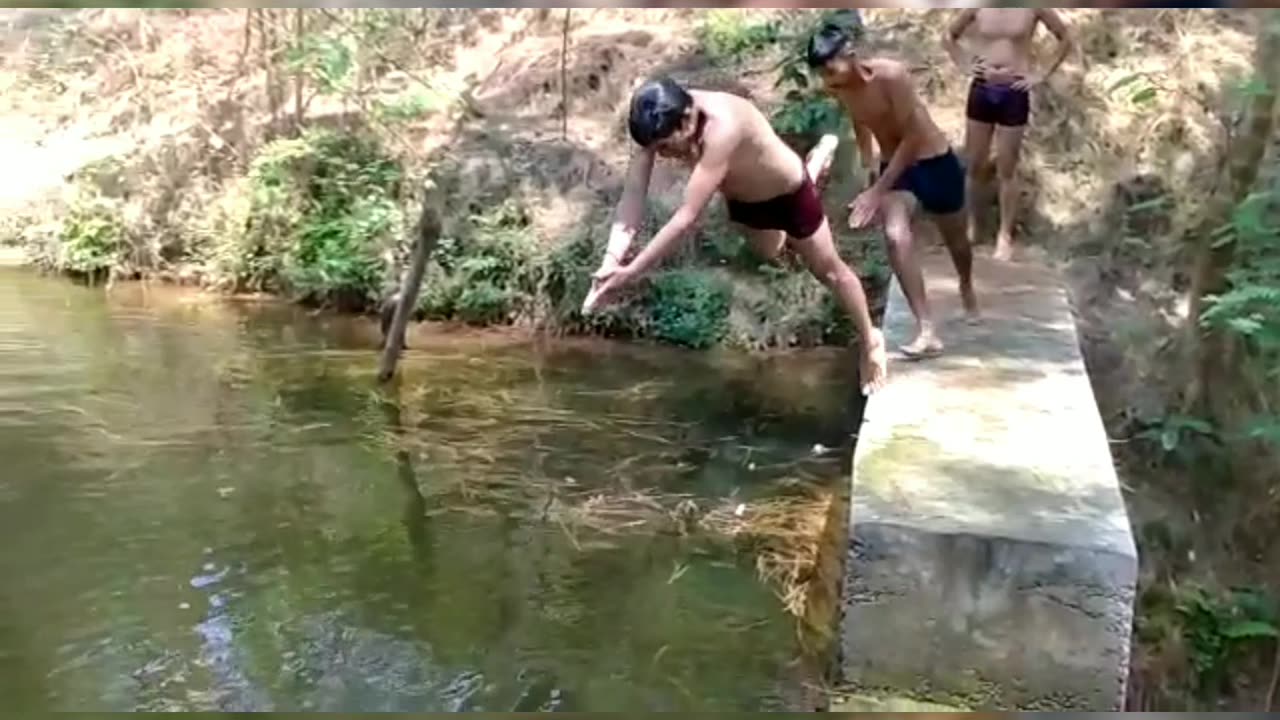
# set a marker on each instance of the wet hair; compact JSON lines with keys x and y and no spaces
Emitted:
{"x":657,"y":109}
{"x":833,"y":39}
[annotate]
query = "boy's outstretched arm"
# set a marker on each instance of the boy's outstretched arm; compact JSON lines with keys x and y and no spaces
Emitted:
{"x":630,"y":213}
{"x":703,"y":184}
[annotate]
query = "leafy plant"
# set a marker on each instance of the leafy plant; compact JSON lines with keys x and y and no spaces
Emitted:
{"x":689,"y":307}
{"x":808,"y":110}
{"x":1251,"y":307}
{"x":409,"y":107}
{"x":1174,"y":432}
{"x":1217,"y":627}
{"x":807,"y":113}
{"x":327,"y":59}
{"x":489,"y":274}
{"x":322,"y":211}
{"x":728,"y":35}
{"x":1138,"y":88}
{"x":92,"y":237}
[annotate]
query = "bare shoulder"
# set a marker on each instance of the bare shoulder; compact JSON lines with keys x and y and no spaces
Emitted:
{"x":890,"y":74}
{"x":1051,"y":18}
{"x":730,"y":117}
{"x":888,"y":69}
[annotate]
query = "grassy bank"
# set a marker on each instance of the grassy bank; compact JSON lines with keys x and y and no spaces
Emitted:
{"x":317,"y":205}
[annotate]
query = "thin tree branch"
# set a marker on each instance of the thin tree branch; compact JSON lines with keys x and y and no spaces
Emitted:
{"x":1275,"y":680}
{"x":564,"y":76}
{"x":462,"y":97}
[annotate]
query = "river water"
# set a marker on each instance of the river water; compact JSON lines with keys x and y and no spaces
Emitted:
{"x":210,"y":506}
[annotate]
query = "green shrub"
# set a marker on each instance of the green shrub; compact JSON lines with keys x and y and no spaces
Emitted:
{"x":1220,"y":627}
{"x":728,"y":35}
{"x":487,"y":275}
{"x":322,"y":211}
{"x":689,"y":307}
{"x":807,"y":110}
{"x":92,"y":238}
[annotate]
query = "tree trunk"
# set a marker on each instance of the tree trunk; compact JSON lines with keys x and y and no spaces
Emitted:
{"x":275,"y":92}
{"x":249,"y":17}
{"x":299,"y":75}
{"x":1211,"y":349}
{"x":429,"y":228}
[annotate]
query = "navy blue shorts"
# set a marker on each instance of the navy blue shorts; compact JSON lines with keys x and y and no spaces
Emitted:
{"x":997,"y":104}
{"x":937,"y":182}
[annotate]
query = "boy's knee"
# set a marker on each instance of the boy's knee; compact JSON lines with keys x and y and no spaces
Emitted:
{"x":835,"y":274}
{"x":898,"y":233}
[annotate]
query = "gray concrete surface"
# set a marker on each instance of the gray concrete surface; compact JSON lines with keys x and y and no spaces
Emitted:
{"x":867,"y":703}
{"x":991,"y":563}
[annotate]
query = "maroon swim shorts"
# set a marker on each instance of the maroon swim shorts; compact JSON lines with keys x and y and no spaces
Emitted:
{"x":799,"y":213}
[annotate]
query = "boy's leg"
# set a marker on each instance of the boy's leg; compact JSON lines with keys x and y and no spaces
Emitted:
{"x":1008,"y":148}
{"x":977,"y":153}
{"x":901,"y":249}
{"x":768,"y":244}
{"x":819,"y":254}
{"x":952,"y":228}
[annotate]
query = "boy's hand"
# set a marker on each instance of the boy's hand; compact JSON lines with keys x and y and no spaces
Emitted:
{"x":864,"y":208}
{"x":605,"y":284}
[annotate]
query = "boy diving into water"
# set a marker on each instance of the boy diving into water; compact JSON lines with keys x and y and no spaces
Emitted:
{"x":768,"y":189}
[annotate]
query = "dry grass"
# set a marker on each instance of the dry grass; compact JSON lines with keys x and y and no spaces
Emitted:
{"x":783,"y":532}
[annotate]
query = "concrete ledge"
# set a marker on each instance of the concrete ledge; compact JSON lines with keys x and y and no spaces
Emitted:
{"x":867,"y":703}
{"x":991,"y":563}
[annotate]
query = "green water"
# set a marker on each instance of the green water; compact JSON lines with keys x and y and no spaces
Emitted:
{"x":199,"y":511}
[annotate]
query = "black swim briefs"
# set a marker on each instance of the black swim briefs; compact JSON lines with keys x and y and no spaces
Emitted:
{"x":937,"y":182}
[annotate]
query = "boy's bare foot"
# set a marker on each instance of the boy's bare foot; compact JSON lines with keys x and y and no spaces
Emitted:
{"x":1004,"y":248}
{"x":926,"y":345}
{"x":819,"y":159}
{"x":875,"y":362}
{"x":970,"y":300}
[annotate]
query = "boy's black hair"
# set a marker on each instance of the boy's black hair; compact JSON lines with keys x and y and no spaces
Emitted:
{"x":657,"y":109}
{"x":835,"y":35}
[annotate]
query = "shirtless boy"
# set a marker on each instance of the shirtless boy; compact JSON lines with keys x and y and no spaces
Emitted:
{"x":1000,"y":93}
{"x":917,"y":169}
{"x":768,"y":188}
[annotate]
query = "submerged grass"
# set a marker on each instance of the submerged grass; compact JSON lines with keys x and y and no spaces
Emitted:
{"x":782,"y":530}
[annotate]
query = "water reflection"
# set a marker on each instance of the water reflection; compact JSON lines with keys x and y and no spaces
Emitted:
{"x":201,"y":511}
